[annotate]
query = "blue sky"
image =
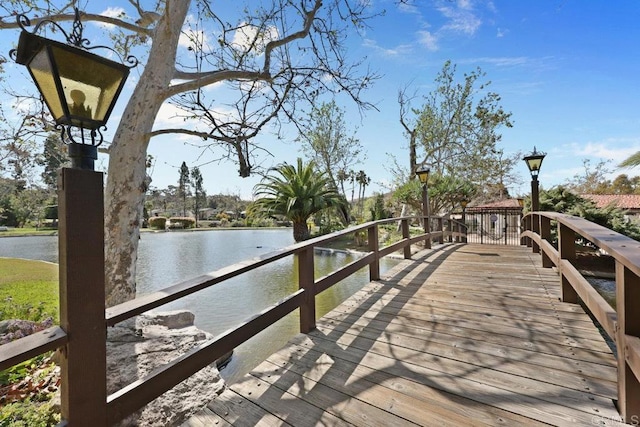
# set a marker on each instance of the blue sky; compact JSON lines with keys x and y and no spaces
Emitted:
{"x":568,"y":71}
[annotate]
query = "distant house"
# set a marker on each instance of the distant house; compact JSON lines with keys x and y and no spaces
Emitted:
{"x":630,"y":203}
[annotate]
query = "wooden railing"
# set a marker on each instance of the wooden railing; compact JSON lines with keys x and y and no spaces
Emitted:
{"x":623,"y":324}
{"x":124,"y":402}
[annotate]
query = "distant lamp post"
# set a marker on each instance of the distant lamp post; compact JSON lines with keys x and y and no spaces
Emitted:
{"x":80,"y":90}
{"x":79,"y":87}
{"x":534,"y":161}
{"x":423,"y":176}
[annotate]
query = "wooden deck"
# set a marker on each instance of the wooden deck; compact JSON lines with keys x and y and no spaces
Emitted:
{"x":462,"y":335}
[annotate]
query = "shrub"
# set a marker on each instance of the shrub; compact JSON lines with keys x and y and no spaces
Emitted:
{"x":181,"y":222}
{"x":29,"y":414}
{"x":157,"y":222}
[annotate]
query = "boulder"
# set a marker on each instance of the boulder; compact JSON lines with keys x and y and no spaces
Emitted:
{"x":138,"y":346}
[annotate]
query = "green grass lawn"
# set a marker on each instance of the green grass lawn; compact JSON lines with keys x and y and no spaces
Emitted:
{"x":28,"y":289}
{"x":28,"y":231}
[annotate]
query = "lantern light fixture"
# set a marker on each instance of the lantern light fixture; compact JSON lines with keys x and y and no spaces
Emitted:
{"x":423,"y":174}
{"x":79,"y":87}
{"x":534,"y":161}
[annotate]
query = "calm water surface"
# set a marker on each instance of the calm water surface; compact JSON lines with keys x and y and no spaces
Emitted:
{"x":168,"y":258}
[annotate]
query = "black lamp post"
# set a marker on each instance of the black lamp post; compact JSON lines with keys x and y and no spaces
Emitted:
{"x":423,"y":176}
{"x":79,"y":87}
{"x":80,"y":90}
{"x":534,"y":161}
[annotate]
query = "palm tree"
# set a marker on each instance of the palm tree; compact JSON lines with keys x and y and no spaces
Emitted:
{"x":295,"y":193}
{"x":631,"y":161}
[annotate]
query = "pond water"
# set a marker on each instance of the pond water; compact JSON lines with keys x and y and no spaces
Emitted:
{"x":168,"y":258}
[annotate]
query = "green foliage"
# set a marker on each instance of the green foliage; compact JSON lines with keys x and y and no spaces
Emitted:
{"x":631,"y":161}
{"x":29,"y":414}
{"x":561,"y":199}
{"x":181,"y":222}
{"x":35,"y":313}
{"x":53,"y":158}
{"x":296,"y":193}
{"x":592,"y":180}
{"x":445,"y":193}
{"x":456,"y":130}
{"x":326,"y":142}
{"x":28,"y":290}
{"x":20,"y":371}
{"x":379,"y":211}
{"x":158,"y":222}
{"x":184,"y":186}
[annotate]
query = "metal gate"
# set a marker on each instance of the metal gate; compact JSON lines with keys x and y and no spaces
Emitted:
{"x":493,"y":226}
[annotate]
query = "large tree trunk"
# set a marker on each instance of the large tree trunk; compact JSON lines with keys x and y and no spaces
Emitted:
{"x":300,"y":231}
{"x":127,"y":179}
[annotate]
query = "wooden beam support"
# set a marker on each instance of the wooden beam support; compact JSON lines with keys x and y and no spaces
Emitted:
{"x":83,"y":361}
{"x":374,"y":267}
{"x":545,"y":234}
{"x":306,"y":281}
{"x":567,"y":250}
{"x":627,"y":301}
{"x":404,"y":223}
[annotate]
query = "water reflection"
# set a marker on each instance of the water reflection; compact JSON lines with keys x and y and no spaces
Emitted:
{"x":168,"y":258}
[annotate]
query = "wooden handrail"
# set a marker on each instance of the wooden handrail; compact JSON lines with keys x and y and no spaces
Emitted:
{"x":623,"y":324}
{"x":31,"y":346}
{"x":127,"y":400}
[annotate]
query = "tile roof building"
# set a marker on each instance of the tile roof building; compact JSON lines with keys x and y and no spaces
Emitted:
{"x":626,"y":202}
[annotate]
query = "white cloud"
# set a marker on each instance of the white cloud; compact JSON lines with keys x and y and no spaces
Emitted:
{"x":247,"y":35}
{"x":428,"y":40}
{"x":613,"y":149}
{"x":499,"y":61}
{"x":190,"y":38}
{"x":461,"y":18}
{"x":394,"y":51}
{"x":502,"y":32}
{"x":173,"y":117}
{"x":111,"y":12}
{"x":408,"y":8}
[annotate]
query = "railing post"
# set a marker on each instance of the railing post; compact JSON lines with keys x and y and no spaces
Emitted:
{"x":627,"y":297}
{"x":465,"y":232}
{"x":374,"y":267}
{"x":526,"y":225}
{"x":545,"y":233}
{"x":427,"y":229}
{"x":83,"y":361}
{"x":441,"y":229}
{"x":566,"y":250}
{"x":456,"y":232}
{"x":535,"y":227}
{"x":306,"y":281}
{"x":406,"y":235}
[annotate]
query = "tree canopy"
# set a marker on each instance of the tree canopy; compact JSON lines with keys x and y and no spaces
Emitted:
{"x":273,"y":60}
{"x":455,"y":133}
{"x":296,"y":193}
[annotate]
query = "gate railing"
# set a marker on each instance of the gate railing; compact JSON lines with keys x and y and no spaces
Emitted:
{"x":621,"y":325}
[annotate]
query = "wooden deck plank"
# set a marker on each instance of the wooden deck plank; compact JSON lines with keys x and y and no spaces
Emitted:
{"x":429,"y":404}
{"x":472,"y":341}
{"x":461,"y":335}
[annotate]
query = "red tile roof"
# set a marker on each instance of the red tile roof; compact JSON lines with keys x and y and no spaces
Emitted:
{"x":623,"y":201}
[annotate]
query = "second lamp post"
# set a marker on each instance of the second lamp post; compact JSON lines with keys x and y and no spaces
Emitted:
{"x":423,"y":175}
